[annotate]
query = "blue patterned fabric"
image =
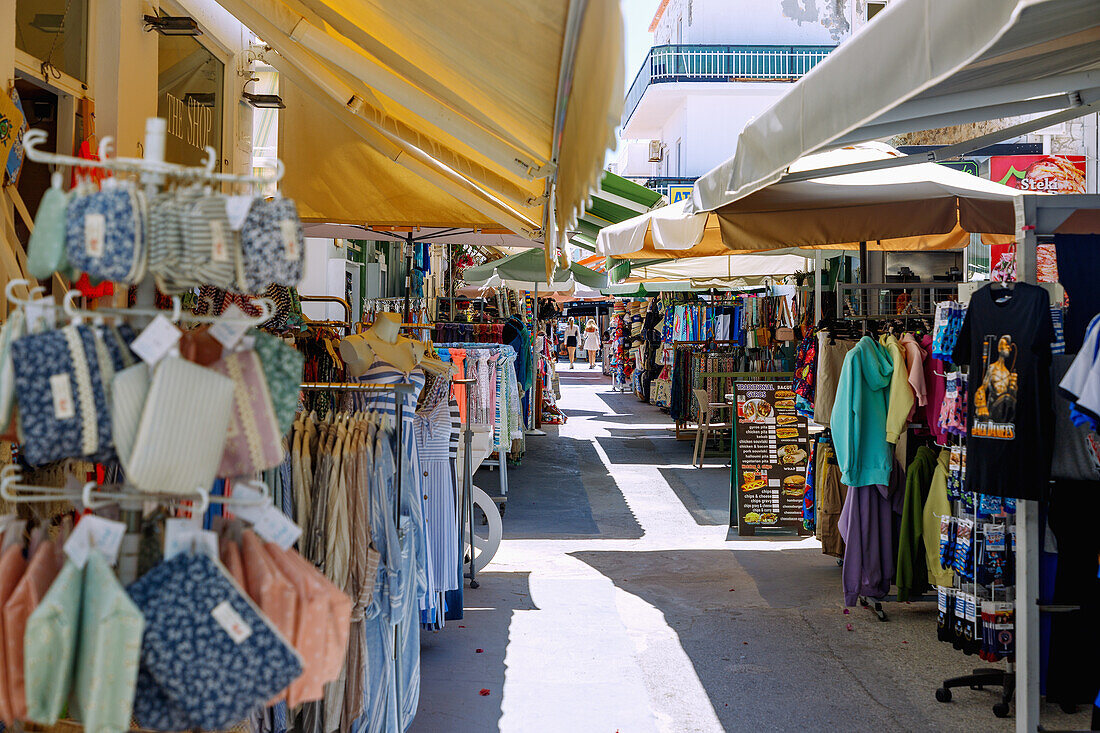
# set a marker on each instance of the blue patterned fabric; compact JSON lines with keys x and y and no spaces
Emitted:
{"x":122,"y":234}
{"x":214,"y":679}
{"x":38,"y":357}
{"x":267,"y":255}
{"x":117,"y":339}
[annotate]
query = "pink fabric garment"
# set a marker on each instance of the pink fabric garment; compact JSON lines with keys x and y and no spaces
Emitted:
{"x":458,"y":358}
{"x":41,"y":571}
{"x":935,"y":387}
{"x":312,"y":635}
{"x":12,"y":566}
{"x":254,"y":442}
{"x":914,"y":362}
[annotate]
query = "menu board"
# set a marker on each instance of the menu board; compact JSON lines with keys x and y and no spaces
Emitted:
{"x":773,"y":452}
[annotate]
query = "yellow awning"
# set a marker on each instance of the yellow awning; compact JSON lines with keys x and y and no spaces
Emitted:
{"x":465,"y":100}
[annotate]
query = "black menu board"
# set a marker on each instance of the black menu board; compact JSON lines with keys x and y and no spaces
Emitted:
{"x":772,"y":451}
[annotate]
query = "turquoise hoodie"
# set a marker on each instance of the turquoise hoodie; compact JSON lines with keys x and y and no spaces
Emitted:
{"x":859,"y":414}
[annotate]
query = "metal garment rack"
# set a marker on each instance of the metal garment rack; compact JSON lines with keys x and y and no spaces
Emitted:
{"x":467,"y":521}
{"x":400,"y":388}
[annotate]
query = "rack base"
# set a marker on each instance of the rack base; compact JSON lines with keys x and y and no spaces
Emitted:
{"x":979,"y":680}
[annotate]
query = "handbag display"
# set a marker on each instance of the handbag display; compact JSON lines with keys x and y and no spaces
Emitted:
{"x":180,"y":438}
{"x":785,"y":331}
{"x":272,"y":245}
{"x":105,"y":234}
{"x":63,"y":406}
{"x":49,"y":648}
{"x":269,"y":588}
{"x":109,"y":648}
{"x":311,"y":638}
{"x":128,"y":393}
{"x":215,"y":657}
{"x":254,"y":442}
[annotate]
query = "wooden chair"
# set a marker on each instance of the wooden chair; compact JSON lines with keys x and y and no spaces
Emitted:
{"x":707,"y":409}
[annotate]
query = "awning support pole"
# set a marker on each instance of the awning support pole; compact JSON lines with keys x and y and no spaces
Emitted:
{"x":819,"y":280}
{"x":1027,"y":527}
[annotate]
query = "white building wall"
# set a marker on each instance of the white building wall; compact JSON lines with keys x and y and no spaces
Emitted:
{"x":758,"y":22}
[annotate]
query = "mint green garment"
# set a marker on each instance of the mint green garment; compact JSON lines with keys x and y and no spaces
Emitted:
{"x":46,"y":247}
{"x":858,"y":420}
{"x":109,"y":651}
{"x":49,"y":647}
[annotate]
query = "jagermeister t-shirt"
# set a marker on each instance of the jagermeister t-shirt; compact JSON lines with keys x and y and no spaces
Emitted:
{"x":1005,"y":340}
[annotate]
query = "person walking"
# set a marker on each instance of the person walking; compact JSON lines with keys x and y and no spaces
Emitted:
{"x":572,"y":339}
{"x":591,"y":342}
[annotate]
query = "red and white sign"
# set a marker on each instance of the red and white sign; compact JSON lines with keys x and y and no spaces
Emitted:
{"x":1039,"y":173}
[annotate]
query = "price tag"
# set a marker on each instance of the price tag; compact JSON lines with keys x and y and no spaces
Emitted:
{"x":252,"y":504}
{"x":95,"y":232}
{"x":236,"y":209}
{"x":231,"y":622}
{"x":219,"y":242}
{"x":158,"y":338}
{"x":62,"y":391}
{"x":274,"y":526}
{"x":95,"y":533}
{"x":183,"y":535}
{"x":233,"y":326}
{"x":40,"y":316}
{"x":291,"y":249}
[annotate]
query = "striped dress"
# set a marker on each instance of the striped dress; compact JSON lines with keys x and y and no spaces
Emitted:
{"x":433,"y":439}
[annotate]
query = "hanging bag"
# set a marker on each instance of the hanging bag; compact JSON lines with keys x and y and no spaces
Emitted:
{"x":254,"y":441}
{"x":46,"y":247}
{"x":105,"y":234}
{"x":272,"y":245}
{"x":50,"y":646}
{"x":785,"y":329}
{"x":283,"y":367}
{"x":181,"y":438}
{"x":211,"y":245}
{"x":63,"y":406}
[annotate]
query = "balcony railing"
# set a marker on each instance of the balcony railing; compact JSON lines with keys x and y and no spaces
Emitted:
{"x":721,"y":63}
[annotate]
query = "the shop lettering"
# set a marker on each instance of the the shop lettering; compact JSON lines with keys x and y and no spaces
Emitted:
{"x":190,"y":121}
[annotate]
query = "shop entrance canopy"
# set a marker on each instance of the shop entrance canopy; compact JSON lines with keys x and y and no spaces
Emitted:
{"x":922,"y":206}
{"x":924,"y":64}
{"x":421,"y":113}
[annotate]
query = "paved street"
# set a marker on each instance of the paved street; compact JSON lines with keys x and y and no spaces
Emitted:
{"x":621,"y":601}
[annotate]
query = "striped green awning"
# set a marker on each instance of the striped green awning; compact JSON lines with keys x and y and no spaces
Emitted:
{"x":616,"y":199}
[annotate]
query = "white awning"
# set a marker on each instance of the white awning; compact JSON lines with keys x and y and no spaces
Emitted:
{"x":921,"y":64}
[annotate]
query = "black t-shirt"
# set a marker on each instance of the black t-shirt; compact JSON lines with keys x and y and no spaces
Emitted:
{"x":1005,"y":339}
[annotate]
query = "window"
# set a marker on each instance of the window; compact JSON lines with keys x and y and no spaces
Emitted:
{"x":874,"y":9}
{"x":190,"y":97}
{"x":55,"y":31}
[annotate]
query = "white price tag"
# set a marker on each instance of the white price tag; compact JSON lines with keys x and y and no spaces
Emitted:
{"x":252,"y":503}
{"x":39,"y":315}
{"x":95,"y":232}
{"x":289,"y":230}
{"x":274,"y":526}
{"x":219,"y":242}
{"x":95,"y":533}
{"x":230,"y":330}
{"x":231,"y":621}
{"x":62,"y":391}
{"x":158,"y":338}
{"x":183,"y":535}
{"x":236,"y":209}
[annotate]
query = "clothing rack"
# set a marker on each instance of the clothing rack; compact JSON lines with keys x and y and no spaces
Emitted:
{"x":399,"y":388}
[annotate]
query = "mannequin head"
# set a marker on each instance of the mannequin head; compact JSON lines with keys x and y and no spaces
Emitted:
{"x":386,"y":327}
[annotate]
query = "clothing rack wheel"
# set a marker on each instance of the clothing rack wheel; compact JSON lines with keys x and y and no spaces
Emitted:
{"x":979,"y":680}
{"x":877,"y":608}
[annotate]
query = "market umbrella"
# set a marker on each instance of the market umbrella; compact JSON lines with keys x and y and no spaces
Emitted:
{"x":525,"y":271}
{"x":918,"y":207}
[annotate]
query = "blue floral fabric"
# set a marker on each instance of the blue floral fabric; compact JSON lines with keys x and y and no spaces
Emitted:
{"x":122,"y":234}
{"x":267,"y":257}
{"x":117,"y":339}
{"x":38,"y":357}
{"x":214,"y":679}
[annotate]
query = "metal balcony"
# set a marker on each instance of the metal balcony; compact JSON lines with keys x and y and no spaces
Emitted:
{"x":663,"y":184}
{"x":720,"y":63}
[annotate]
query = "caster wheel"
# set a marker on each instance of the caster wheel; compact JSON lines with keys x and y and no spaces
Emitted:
{"x":943,"y":695}
{"x":1001,"y":710}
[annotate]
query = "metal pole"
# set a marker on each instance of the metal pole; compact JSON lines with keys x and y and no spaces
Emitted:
{"x":1027,"y":526}
{"x":819,"y":281}
{"x":410,"y":245}
{"x":533,"y":394}
{"x":468,"y":482}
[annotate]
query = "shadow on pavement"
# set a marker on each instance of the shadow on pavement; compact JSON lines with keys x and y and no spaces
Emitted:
{"x":453,"y":673}
{"x":704,"y":492}
{"x":766,"y":637}
{"x":562,"y":490}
